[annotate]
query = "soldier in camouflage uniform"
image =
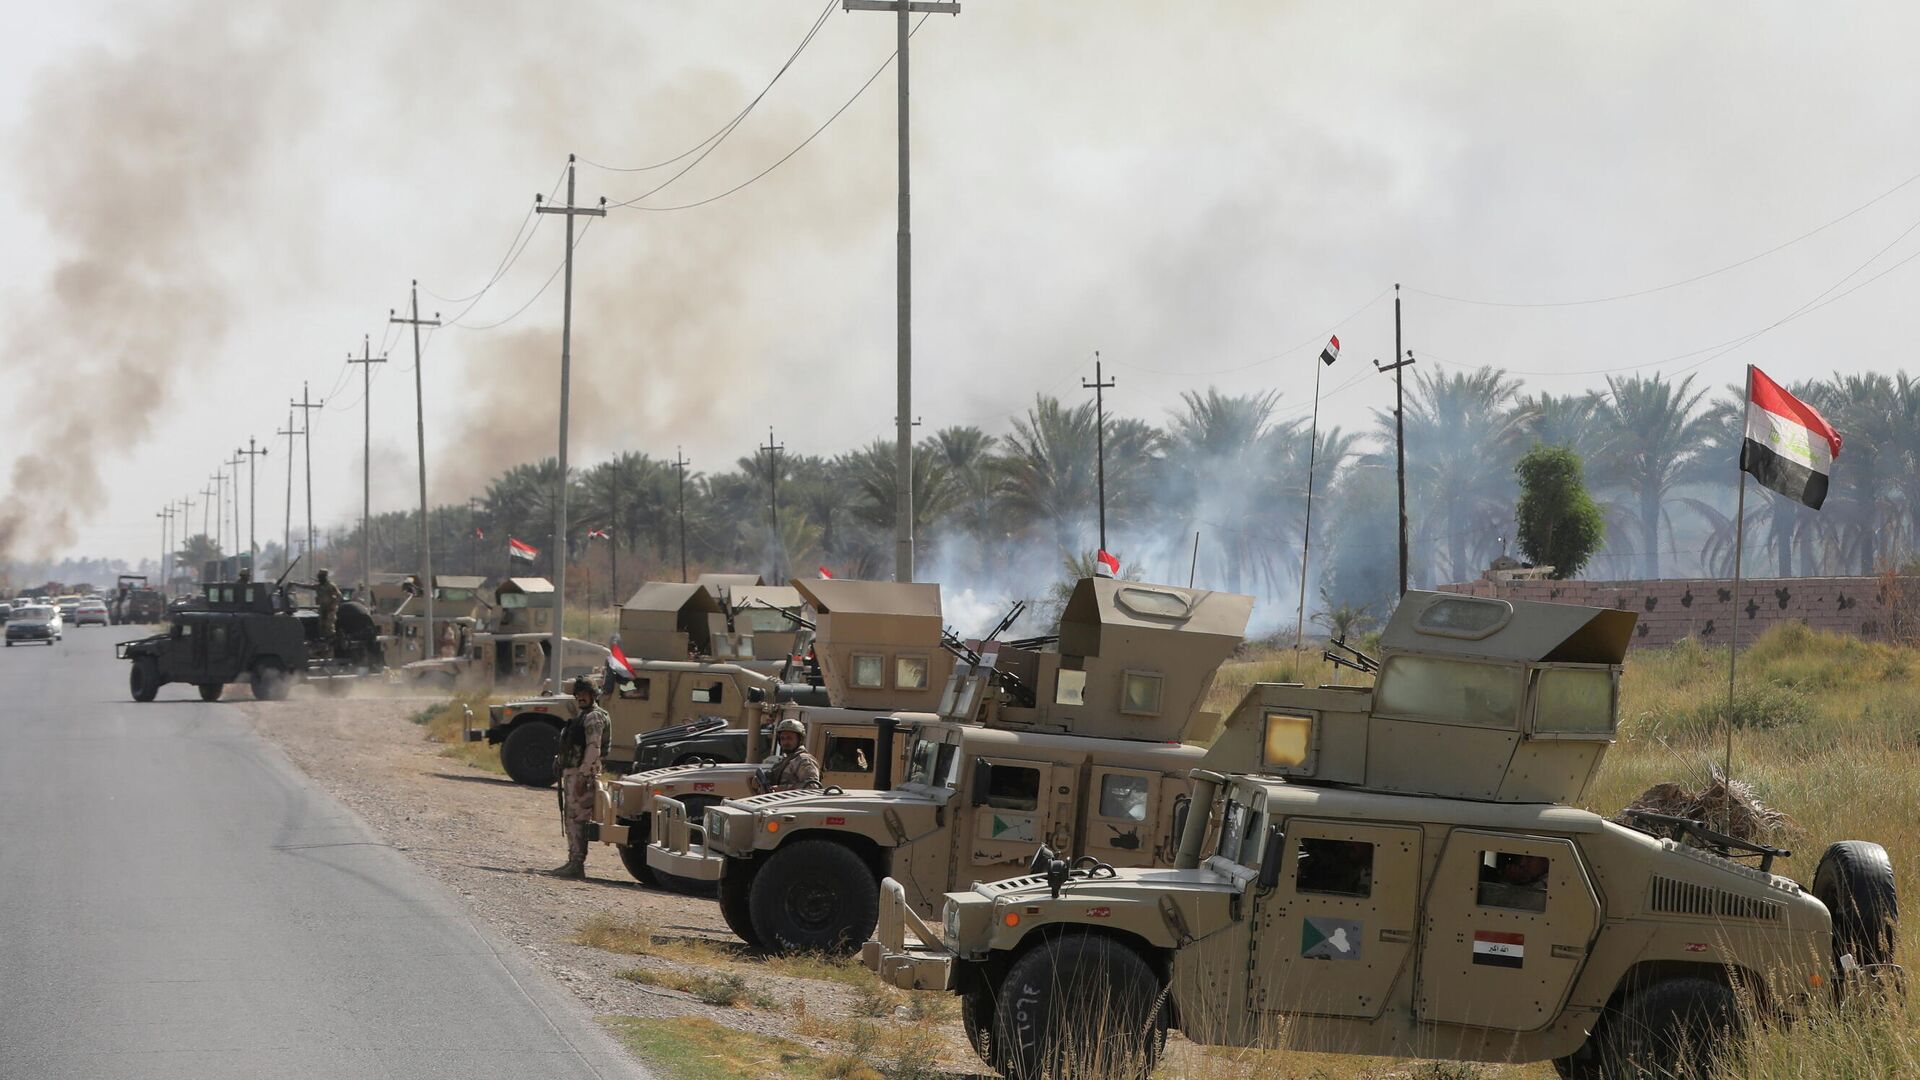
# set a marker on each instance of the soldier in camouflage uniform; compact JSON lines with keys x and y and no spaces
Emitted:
{"x":583,"y":742}
{"x":326,"y":597}
{"x":796,"y":767}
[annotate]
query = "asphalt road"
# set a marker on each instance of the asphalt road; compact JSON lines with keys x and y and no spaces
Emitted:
{"x":177,"y":900}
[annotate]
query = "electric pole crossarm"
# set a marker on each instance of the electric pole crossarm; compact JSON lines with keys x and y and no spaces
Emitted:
{"x":924,"y":7}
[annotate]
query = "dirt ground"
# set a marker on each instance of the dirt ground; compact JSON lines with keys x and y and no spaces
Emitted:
{"x":489,"y":839}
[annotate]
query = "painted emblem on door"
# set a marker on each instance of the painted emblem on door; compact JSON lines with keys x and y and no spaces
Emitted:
{"x":1330,"y":939}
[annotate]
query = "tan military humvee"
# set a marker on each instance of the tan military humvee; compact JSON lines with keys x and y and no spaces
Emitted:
{"x":1080,"y":747}
{"x":506,"y":654}
{"x":879,"y":648}
{"x":1396,"y":872}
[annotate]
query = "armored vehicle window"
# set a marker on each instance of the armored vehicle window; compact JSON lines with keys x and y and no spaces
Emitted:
{"x":943,"y":769}
{"x":1124,"y":797}
{"x":637,"y":690}
{"x":1233,"y":828}
{"x":1289,"y":740}
{"x":1165,"y":605}
{"x":707,"y":693}
{"x":1512,"y":880}
{"x":513,"y":600}
{"x":1574,"y":700}
{"x":720,"y":645}
{"x":920,"y":763}
{"x":910,"y":673}
{"x":869,"y":671}
{"x":849,"y":754}
{"x":1011,"y":787}
{"x":1451,"y":691}
{"x":761,"y":619}
{"x":1465,"y":617}
{"x":1334,"y":867}
{"x":1071,"y":688}
{"x":746,"y":647}
{"x":1140,"y":693}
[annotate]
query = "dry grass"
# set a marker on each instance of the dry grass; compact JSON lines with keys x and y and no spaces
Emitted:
{"x":444,"y":724}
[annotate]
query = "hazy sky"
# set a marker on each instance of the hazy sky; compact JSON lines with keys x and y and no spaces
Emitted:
{"x":208,"y":205}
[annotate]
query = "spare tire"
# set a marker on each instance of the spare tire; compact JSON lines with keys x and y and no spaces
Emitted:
{"x":1855,"y":881}
{"x":528,"y":753}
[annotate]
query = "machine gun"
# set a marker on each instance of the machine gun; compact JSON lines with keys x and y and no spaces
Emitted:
{"x":1350,"y":657}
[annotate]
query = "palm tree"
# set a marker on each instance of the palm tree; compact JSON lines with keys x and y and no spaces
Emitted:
{"x":1464,"y":433}
{"x":1864,"y":510}
{"x":1656,"y":434}
{"x":1219,"y":448}
{"x":619,"y":495}
{"x":1566,"y":420}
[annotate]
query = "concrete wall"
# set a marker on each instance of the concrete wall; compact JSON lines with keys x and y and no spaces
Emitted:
{"x":1882,"y":608}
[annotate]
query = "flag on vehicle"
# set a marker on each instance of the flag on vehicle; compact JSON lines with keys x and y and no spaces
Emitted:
{"x":617,"y":660}
{"x":1789,"y":446}
{"x":1332,"y":352}
{"x":826,"y":574}
{"x":518,"y":550}
{"x":479,"y":533}
{"x":596,"y":534}
{"x":1106,"y":564}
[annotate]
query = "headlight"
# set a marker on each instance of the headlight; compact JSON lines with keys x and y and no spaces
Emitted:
{"x":716,"y":828}
{"x":950,"y":929}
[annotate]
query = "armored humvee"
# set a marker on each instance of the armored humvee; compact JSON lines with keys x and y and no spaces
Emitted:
{"x":1076,"y":740}
{"x":1396,"y":872}
{"x":507,"y":653}
{"x":135,"y":602}
{"x":255,"y":633}
{"x":677,"y":628}
{"x":878,"y":646}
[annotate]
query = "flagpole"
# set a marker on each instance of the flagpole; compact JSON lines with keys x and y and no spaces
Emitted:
{"x":1306,"y":533}
{"x":1739,"y":542}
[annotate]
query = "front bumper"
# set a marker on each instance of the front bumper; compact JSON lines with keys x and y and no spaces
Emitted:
{"x":29,"y":633}
{"x":919,"y":963}
{"x":678,"y":846}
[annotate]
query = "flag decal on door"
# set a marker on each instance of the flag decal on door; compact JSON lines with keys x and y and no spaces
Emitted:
{"x":1011,"y":827}
{"x":1330,"y":939}
{"x":1497,"y":949}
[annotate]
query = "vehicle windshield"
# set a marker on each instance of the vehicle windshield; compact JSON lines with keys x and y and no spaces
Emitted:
{"x":931,"y":763}
{"x":1239,"y":839}
{"x":31,"y":612}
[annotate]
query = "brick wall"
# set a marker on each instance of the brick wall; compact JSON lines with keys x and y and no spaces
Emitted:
{"x":1881,"y":608}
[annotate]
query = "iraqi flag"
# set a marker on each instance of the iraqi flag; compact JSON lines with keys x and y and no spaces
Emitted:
{"x":826,"y":574}
{"x":518,"y":550}
{"x":596,"y":534}
{"x":617,"y":660}
{"x":1789,"y":447}
{"x":1332,"y":352}
{"x":1106,"y":564}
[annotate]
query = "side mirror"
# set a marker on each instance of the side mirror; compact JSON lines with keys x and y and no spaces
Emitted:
{"x":1270,"y":859}
{"x":982,"y":781}
{"x":1042,"y":859}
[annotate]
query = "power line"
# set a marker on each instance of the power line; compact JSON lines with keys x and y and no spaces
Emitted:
{"x":727,"y":128}
{"x":630,"y":204}
{"x":522,"y":237}
{"x":517,"y":312}
{"x":1684,"y":281}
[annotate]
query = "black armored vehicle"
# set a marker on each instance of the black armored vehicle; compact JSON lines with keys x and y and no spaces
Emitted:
{"x":135,"y":602}
{"x":254,"y":633}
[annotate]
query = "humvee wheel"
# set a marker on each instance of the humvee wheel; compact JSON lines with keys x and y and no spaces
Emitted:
{"x":1673,"y":1028}
{"x":815,"y":896}
{"x":736,"y":897}
{"x":143,"y":680}
{"x":272,"y":684}
{"x":1079,"y":1005}
{"x":976,"y":1016}
{"x":1855,"y":881}
{"x":633,"y":854}
{"x":528,"y":753}
{"x":211,"y":691}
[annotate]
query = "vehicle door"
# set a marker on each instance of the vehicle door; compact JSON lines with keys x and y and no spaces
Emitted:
{"x":846,"y":754}
{"x":1337,"y":930}
{"x":176,"y":658}
{"x":1011,"y":811}
{"x":1125,"y":822}
{"x":703,"y":694}
{"x":1508,"y":922}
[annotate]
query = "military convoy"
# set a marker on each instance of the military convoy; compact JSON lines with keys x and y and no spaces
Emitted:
{"x":1395,"y":870}
{"x":135,"y":603}
{"x":1076,"y":740}
{"x":878,"y":646}
{"x":476,"y":647}
{"x":254,"y":633}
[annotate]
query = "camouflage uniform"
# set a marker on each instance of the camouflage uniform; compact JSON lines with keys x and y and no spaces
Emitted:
{"x":796,"y":770}
{"x":326,"y":597}
{"x":582,"y":744}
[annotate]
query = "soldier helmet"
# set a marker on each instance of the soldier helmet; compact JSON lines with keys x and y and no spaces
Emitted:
{"x":321,"y":576}
{"x":793,"y":724}
{"x":583,"y":683}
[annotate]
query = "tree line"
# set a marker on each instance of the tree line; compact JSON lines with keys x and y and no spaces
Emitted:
{"x":1015,"y":511}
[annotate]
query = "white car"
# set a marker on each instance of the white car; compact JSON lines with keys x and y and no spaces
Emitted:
{"x":91,"y":611}
{"x":35,"y":622}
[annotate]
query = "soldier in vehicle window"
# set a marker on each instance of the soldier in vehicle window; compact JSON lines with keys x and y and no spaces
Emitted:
{"x":1512,"y":880}
{"x":795,"y":767}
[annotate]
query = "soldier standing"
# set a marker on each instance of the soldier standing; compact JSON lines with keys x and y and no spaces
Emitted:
{"x":582,"y":744}
{"x":326,"y":597}
{"x":796,"y":767}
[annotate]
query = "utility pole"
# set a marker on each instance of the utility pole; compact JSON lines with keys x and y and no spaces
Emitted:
{"x":219,"y":493}
{"x":253,"y":502}
{"x":1399,"y":429}
{"x":473,"y":535}
{"x":420,"y":432}
{"x":680,"y":464}
{"x":773,"y":497}
{"x":186,"y":522}
{"x":555,"y":657}
{"x":307,"y":405}
{"x":239,"y":458}
{"x":286,"y":539}
{"x":903,"y":284}
{"x":366,"y":360}
{"x":166,"y":519}
{"x":1099,"y":389}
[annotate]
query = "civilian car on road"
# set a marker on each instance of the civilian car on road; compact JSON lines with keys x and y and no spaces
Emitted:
{"x":67,"y":605}
{"x":92,"y":610}
{"x":35,"y":622}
